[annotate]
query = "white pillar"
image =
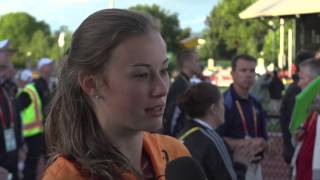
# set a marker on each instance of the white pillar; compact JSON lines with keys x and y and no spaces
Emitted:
{"x":110,"y":4}
{"x":281,"y":56}
{"x":290,"y":49}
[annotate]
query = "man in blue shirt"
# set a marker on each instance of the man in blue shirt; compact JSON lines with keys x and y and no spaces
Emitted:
{"x":245,"y":121}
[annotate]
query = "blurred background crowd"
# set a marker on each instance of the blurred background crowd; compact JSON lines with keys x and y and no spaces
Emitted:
{"x":247,"y":66}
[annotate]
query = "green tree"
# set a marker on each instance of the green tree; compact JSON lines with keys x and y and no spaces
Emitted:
{"x":23,"y":31}
{"x":271,"y":40}
{"x":32,"y":39}
{"x":28,"y":36}
{"x":226,"y":34}
{"x":39,"y":45}
{"x":170,"y":28}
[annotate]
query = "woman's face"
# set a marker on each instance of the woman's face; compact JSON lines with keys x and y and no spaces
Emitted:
{"x":304,"y":77}
{"x":135,"y":85}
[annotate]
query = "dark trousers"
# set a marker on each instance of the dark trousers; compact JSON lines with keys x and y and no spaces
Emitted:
{"x":36,"y":149}
{"x":288,"y":149}
{"x":10,"y":163}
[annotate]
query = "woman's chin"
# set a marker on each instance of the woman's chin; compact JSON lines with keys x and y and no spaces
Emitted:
{"x":155,"y":126}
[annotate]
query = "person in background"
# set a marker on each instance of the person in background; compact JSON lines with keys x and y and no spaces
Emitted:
{"x":245,"y":120}
{"x":7,"y":79}
{"x":305,"y":161}
{"x":199,"y":77}
{"x":45,"y":68}
{"x":10,"y":124}
{"x":287,"y":105}
{"x":110,"y":99}
{"x":275,"y":88}
{"x":188,"y":61}
{"x":203,"y":103}
{"x":32,"y":119}
{"x":260,"y":89}
{"x":23,"y":78}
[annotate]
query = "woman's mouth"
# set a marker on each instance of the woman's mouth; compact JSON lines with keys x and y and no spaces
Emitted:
{"x":155,"y":111}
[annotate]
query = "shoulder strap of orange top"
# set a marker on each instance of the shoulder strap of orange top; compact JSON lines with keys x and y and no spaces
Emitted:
{"x":161,"y":149}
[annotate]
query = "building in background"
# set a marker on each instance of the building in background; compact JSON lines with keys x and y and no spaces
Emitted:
{"x":305,"y":33}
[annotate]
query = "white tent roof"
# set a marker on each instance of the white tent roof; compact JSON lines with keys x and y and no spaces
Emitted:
{"x":263,"y":8}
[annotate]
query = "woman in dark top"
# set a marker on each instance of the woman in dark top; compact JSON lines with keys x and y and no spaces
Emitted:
{"x":203,"y":103}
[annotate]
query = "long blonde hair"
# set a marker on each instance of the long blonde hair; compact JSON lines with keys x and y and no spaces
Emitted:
{"x":72,"y":129}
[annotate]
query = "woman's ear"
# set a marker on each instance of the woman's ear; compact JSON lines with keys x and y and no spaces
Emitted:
{"x":213,"y":109}
{"x":88,"y":83}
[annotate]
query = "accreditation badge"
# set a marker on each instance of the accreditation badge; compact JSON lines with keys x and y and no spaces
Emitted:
{"x":10,"y":140}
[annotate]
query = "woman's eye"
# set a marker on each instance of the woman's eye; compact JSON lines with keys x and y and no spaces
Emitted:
{"x":141,"y":75}
{"x":164,"y":71}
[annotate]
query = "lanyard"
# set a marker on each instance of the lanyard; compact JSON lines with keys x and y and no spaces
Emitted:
{"x":244,"y":122}
{"x":6,"y":97}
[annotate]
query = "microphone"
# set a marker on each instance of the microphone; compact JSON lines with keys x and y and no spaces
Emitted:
{"x":184,"y":168}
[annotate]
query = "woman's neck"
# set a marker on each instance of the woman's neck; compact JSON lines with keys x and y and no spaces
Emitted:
{"x":131,"y":146}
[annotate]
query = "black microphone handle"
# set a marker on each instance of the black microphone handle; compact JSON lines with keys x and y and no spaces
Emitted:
{"x":184,"y":168}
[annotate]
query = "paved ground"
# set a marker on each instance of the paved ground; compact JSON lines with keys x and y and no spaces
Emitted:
{"x":273,"y":165}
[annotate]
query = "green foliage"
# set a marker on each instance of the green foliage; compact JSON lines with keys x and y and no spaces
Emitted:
{"x":21,"y":28}
{"x":170,"y":28}
{"x":39,"y":45}
{"x":31,"y":39}
{"x":227,"y":35}
{"x":271,"y":40}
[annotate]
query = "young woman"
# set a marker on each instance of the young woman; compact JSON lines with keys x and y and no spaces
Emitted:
{"x":111,"y":94}
{"x":203,"y":103}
